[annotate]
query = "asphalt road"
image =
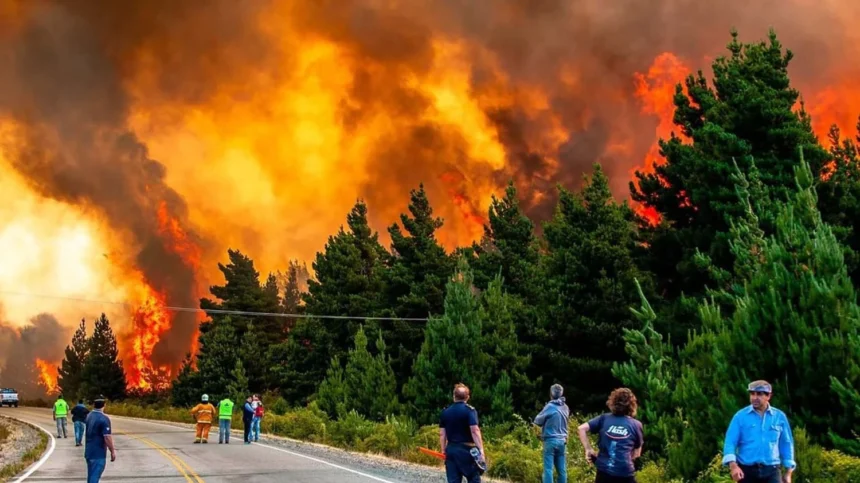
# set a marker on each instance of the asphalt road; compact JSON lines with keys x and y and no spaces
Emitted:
{"x":153,"y":452}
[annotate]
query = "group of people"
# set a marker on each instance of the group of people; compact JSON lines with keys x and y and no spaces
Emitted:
{"x":758,"y":441}
{"x":92,"y":427}
{"x":204,"y":413}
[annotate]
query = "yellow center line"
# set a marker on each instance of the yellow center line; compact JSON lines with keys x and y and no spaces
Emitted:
{"x":180,"y":465}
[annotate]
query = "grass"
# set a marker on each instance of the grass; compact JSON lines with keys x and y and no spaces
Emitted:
{"x":27,"y":459}
{"x":4,"y":433}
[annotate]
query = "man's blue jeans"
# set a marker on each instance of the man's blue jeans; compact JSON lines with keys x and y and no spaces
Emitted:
{"x":761,"y":474}
{"x":255,"y":428}
{"x":554,"y":455}
{"x":224,"y":430}
{"x":80,"y":429}
{"x":95,"y":468}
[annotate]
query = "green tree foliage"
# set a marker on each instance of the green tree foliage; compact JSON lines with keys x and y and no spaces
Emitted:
{"x":186,"y":389}
{"x":415,"y":282}
{"x":70,"y":373}
{"x":794,"y":321}
{"x":346,"y":390}
{"x":216,"y":359}
{"x":348,"y":282}
{"x":747,"y":114}
{"x":839,"y":196}
{"x":237,"y":389}
{"x":591,"y":272}
{"x":102,"y":372}
{"x":242,"y":291}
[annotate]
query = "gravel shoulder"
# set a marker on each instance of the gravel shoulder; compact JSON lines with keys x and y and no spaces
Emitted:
{"x":381,"y":466}
{"x":22,"y":438}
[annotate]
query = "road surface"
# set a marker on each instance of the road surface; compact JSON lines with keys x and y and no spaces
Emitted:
{"x":155,"y":452}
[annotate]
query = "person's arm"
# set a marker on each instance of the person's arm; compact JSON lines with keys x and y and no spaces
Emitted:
{"x":443,"y":439}
{"x":583,"y":430}
{"x":786,"y":448}
{"x":730,"y":446}
{"x":109,"y":444}
{"x":540,"y":419}
{"x":477,"y":437}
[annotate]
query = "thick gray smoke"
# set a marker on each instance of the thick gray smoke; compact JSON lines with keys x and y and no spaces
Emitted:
{"x":42,"y":338}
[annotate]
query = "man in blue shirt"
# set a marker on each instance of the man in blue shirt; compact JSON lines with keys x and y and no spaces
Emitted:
{"x":759,"y":439}
{"x":460,"y":439}
{"x":99,"y":440}
{"x":79,"y":418}
{"x":554,"y":420}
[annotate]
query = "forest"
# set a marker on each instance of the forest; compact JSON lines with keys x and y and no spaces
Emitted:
{"x":746,"y":272}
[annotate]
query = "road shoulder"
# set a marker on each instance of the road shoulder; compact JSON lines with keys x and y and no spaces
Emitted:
{"x":23,"y":447}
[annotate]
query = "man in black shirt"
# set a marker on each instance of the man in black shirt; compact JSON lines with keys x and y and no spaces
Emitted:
{"x":460,"y":439}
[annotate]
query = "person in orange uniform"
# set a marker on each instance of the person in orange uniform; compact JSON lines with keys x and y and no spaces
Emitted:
{"x":203,"y":413}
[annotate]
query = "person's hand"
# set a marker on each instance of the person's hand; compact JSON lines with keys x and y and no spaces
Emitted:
{"x":590,"y":456}
{"x":112,"y":456}
{"x":737,"y":472}
{"x":787,"y":477}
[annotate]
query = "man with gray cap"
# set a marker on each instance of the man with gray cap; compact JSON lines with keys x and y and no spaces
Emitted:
{"x":99,"y":441}
{"x":553,"y":420}
{"x":759,"y":439}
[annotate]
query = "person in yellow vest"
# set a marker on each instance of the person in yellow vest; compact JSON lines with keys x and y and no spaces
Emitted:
{"x":61,"y":412}
{"x":203,"y":414}
{"x":225,"y":416}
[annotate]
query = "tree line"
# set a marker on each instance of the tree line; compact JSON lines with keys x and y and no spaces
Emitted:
{"x":749,"y":274}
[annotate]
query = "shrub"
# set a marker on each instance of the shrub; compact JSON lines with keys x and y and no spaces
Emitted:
{"x":426,"y":437}
{"x":350,"y":431}
{"x":280,"y":406}
{"x":393,"y":438}
{"x":515,"y":461}
{"x":841,"y":468}
{"x":307,"y":424}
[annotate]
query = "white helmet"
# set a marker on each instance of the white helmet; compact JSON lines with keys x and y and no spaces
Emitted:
{"x":205,"y":398}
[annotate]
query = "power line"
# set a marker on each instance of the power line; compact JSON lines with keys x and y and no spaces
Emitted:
{"x":215,"y":311}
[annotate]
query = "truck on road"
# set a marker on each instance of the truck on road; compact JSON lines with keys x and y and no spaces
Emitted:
{"x":8,"y":397}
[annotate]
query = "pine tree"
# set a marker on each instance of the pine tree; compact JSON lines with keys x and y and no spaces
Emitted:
{"x":364,"y":371}
{"x":415,"y":281}
{"x":451,"y":352}
{"x":252,"y":352}
{"x":188,"y":387}
{"x":102,"y":373}
{"x":747,"y":114}
{"x":237,"y":389}
{"x":348,"y":282}
{"x":508,"y":357}
{"x":243,"y":291}
{"x":217,"y":356}
{"x":331,"y":396}
{"x":591,"y":272}
{"x":70,"y":372}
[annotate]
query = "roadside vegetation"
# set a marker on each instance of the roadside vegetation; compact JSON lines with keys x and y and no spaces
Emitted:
{"x":29,"y":457}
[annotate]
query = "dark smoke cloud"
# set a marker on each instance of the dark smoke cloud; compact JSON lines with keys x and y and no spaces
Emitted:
{"x":62,"y":87}
{"x":42,"y":338}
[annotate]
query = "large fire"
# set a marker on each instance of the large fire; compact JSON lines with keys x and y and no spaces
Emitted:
{"x":270,"y":118}
{"x":47,"y":376}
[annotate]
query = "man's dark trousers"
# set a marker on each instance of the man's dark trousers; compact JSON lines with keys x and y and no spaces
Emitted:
{"x":247,"y":423}
{"x":761,"y":474}
{"x":460,"y":464}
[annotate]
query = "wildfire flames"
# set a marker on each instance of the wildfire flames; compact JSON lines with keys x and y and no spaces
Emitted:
{"x":47,"y":376}
{"x":256,"y":125}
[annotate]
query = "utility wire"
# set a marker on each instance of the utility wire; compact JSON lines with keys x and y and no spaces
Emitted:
{"x":215,"y":311}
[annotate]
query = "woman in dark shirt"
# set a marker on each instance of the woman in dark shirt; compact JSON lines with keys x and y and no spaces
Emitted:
{"x":620,"y":439}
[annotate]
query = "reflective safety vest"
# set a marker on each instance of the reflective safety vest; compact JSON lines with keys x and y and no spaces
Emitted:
{"x":225,"y":409}
{"x":61,"y":408}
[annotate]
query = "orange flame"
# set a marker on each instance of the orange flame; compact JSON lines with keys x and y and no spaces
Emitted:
{"x":149,"y":322}
{"x":48,"y":374}
{"x":656,"y":92}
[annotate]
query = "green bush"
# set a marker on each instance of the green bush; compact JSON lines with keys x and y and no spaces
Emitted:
{"x":280,"y":406}
{"x":307,"y":424}
{"x":515,"y":461}
{"x":392,"y":438}
{"x":425,"y":437}
{"x":841,"y":468}
{"x":350,"y":431}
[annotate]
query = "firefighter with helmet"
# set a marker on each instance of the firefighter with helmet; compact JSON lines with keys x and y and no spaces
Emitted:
{"x":203,"y":414}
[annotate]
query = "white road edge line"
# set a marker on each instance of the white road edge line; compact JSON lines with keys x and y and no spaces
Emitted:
{"x":35,"y":466}
{"x":359,"y":473}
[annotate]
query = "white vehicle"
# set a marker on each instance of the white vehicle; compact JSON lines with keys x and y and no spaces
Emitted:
{"x":8,"y":397}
